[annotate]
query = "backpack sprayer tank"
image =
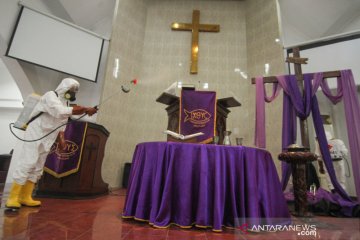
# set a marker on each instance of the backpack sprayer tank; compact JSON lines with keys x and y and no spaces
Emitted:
{"x":25,"y":115}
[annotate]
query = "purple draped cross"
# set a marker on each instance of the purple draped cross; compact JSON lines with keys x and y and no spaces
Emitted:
{"x":294,"y":104}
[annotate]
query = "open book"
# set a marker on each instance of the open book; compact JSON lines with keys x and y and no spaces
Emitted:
{"x":182,"y":137}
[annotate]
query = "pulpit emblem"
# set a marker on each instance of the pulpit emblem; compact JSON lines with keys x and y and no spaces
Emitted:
{"x":71,"y":149}
{"x":197,"y":116}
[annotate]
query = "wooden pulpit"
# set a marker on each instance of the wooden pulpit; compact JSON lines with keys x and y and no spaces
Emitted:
{"x":222,"y":111}
{"x":87,"y":181}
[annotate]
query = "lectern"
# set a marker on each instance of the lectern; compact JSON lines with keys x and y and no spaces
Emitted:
{"x":222,"y":111}
{"x":87,"y":181}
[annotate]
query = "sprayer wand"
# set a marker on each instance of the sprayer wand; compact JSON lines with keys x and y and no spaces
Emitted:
{"x":123,"y":89}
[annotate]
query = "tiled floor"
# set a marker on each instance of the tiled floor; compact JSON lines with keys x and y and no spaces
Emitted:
{"x":100,"y":218}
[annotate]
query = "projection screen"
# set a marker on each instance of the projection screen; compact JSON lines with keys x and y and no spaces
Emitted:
{"x":55,"y":44}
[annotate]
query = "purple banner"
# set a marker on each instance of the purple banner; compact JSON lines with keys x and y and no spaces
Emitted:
{"x":198,"y":114}
{"x":63,"y":163}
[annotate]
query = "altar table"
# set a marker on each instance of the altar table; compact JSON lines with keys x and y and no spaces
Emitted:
{"x":204,"y":185}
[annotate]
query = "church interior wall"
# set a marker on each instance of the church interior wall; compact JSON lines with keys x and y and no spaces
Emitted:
{"x":10,"y":108}
{"x":119,"y":111}
{"x":149,"y":51}
{"x":165,"y":58}
{"x":319,"y":19}
{"x":262,"y":30}
{"x":11,"y":97}
{"x":10,"y":113}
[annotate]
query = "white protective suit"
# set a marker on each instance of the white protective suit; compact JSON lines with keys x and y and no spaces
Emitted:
{"x":31,"y":156}
{"x":338,"y":151}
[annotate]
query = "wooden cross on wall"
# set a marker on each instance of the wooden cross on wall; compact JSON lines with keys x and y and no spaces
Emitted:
{"x":195,"y":27}
{"x":297,"y":61}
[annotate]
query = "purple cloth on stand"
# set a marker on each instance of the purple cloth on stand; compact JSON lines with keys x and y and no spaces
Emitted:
{"x":63,"y":163}
{"x":198,"y":114}
{"x":205,"y":185}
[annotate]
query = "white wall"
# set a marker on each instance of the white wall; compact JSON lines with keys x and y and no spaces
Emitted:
{"x":8,"y":141}
{"x":10,"y":108}
{"x":10,"y":115}
{"x":9,"y":10}
{"x":306,"y":20}
{"x":116,"y":113}
{"x":337,"y":56}
{"x":10,"y":95}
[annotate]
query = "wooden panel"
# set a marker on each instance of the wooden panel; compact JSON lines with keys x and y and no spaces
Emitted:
{"x":229,"y":102}
{"x":273,"y":79}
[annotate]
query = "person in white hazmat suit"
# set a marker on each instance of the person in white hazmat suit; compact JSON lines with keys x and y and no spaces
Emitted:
{"x":31,"y":156}
{"x":338,"y":151}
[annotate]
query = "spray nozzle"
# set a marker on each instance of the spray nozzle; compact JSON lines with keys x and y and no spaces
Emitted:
{"x":126,"y":89}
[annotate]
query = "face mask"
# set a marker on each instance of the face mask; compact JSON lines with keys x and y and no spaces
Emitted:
{"x":69,"y":95}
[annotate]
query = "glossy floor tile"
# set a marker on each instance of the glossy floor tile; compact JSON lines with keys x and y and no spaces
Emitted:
{"x":100,"y":218}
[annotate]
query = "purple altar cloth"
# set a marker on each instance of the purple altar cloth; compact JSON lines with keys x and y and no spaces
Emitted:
{"x":204,"y":185}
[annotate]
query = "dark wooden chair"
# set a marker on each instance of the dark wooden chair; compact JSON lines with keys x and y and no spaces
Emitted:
{"x":4,"y":166}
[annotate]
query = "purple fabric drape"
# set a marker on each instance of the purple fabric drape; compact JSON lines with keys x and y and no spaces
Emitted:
{"x":352,"y":109}
{"x":294,"y":104}
{"x":297,"y":104}
{"x":260,"y":138}
{"x":305,"y":104}
{"x":204,"y":185}
{"x":346,"y":89}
